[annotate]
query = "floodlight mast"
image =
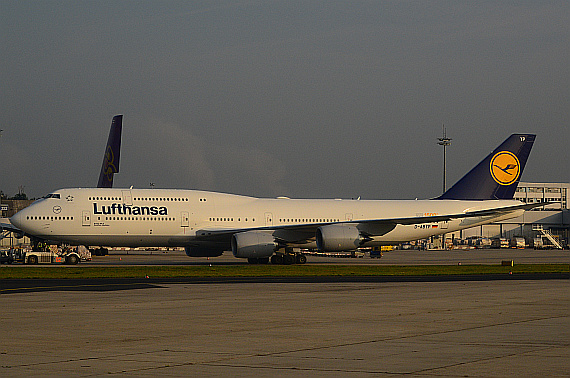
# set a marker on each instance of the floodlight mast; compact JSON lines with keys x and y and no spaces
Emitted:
{"x":444,"y":141}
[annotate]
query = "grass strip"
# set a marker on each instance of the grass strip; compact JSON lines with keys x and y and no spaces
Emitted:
{"x":63,"y":272}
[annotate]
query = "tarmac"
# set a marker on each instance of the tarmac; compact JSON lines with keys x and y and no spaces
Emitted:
{"x":396,"y":257}
{"x":292,"y":328}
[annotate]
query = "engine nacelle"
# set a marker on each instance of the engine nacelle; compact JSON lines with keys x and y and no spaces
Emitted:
{"x":338,"y":238}
{"x":253,"y":244}
{"x":203,"y":252}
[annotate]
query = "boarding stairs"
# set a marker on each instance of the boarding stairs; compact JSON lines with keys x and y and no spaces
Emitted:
{"x":547,"y":234}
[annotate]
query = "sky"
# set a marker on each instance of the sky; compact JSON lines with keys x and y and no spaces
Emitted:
{"x":306,"y":99}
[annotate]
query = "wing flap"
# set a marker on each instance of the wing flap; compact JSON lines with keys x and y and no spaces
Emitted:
{"x":10,"y":227}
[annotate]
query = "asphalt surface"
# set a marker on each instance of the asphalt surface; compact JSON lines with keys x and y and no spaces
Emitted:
{"x":507,"y":326}
{"x":444,"y":329}
{"x":397,"y":257}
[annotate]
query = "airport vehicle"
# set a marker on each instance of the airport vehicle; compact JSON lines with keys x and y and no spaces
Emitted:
{"x":554,"y":240}
{"x":208,"y":223}
{"x":112,"y":153}
{"x":538,"y":243}
{"x":376,"y":252}
{"x":6,"y":257}
{"x":51,"y":256}
{"x":518,"y":242}
{"x":500,"y":243}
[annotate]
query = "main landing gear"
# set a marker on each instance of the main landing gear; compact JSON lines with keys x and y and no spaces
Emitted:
{"x":258,"y":260}
{"x":288,"y":258}
{"x":99,"y":251}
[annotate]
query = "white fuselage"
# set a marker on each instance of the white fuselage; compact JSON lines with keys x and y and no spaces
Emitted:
{"x":171,"y":217}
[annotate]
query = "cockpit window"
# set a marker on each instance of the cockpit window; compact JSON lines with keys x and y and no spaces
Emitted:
{"x":53,"y":195}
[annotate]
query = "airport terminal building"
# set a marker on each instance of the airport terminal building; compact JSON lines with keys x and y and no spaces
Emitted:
{"x":553,"y":217}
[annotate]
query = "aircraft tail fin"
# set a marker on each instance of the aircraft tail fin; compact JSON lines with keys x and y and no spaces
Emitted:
{"x":496,"y":176}
{"x":112,"y":153}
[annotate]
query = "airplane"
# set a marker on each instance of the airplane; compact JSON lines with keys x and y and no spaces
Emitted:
{"x":110,"y":164}
{"x":274,"y":229}
{"x":109,"y":167}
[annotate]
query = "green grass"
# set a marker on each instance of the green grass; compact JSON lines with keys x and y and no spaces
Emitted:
{"x":63,"y":272}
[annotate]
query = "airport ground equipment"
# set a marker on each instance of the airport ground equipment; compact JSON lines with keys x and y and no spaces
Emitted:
{"x":55,"y":255}
{"x":548,"y":235}
{"x":49,"y":257}
{"x":518,"y":242}
{"x":500,"y":243}
{"x":6,"y":257}
{"x":378,"y":252}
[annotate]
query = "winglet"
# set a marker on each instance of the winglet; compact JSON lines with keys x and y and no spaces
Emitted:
{"x":112,"y":153}
{"x":497,"y":176}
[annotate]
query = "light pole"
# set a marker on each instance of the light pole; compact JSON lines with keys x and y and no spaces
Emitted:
{"x":444,"y":141}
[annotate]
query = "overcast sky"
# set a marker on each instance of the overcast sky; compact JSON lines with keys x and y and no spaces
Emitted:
{"x":266,"y":98}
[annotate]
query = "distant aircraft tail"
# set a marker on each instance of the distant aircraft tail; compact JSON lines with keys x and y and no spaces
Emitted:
{"x":112,"y":153}
{"x":497,"y":176}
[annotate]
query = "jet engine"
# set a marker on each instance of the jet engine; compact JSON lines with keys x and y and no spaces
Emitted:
{"x":338,"y":238}
{"x":253,"y":244}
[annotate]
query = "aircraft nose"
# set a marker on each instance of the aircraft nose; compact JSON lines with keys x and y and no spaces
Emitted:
{"x":16,"y":219}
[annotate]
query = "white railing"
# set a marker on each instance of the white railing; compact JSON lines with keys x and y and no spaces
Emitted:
{"x":546,"y":233}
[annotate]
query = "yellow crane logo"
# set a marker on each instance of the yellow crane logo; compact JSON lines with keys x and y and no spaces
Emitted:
{"x":505,"y":168}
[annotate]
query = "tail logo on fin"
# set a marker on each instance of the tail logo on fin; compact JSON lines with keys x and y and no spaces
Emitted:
{"x":505,"y":168}
{"x":109,"y":167}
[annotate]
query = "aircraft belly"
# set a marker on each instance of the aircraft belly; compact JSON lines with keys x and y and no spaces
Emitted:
{"x":404,"y":233}
{"x":120,"y":240}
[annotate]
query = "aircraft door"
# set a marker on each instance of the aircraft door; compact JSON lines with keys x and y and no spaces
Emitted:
{"x":185,"y":219}
{"x":85,"y":218}
{"x":444,"y":225}
{"x":268,"y":219}
{"x":348,"y":217}
{"x":127,"y":197}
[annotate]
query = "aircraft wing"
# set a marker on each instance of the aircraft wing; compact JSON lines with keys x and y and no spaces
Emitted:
{"x":10,"y":228}
{"x":376,"y":227}
{"x":467,"y":214}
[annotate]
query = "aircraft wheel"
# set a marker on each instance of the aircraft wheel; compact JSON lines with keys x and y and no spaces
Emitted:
{"x":288,"y":259}
{"x":263,"y":260}
{"x":277,"y":259}
{"x":252,"y":260}
{"x":301,"y":259}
